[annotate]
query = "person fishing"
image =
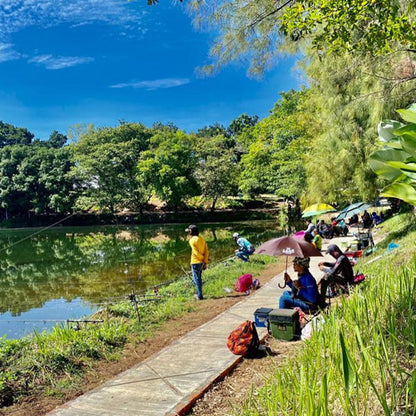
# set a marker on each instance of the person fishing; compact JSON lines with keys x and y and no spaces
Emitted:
{"x":245,"y":248}
{"x":199,"y":257}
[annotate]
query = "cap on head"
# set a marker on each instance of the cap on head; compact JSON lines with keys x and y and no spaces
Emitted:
{"x":192,"y":229}
{"x":236,"y":235}
{"x":333,"y":248}
{"x":302,"y":261}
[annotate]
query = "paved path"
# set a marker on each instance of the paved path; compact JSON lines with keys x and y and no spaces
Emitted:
{"x":169,"y":382}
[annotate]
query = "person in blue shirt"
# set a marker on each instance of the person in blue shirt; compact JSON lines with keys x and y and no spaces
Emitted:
{"x":304,"y":290}
{"x":245,"y":248}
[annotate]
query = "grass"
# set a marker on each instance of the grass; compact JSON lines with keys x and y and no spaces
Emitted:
{"x":47,"y":362}
{"x":362,"y":360}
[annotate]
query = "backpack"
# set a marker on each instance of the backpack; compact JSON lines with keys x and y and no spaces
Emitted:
{"x":244,"y":339}
{"x":243,"y":284}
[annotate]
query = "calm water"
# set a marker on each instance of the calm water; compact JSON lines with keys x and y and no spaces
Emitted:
{"x":49,"y":276}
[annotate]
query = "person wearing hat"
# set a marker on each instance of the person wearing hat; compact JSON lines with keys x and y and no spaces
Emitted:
{"x":199,"y":257}
{"x":304,"y":290}
{"x":339,"y":272}
{"x":245,"y":248}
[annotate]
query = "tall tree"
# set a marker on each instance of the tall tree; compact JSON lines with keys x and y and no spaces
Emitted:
{"x":275,"y":161}
{"x":107,"y":165}
{"x":10,"y":135}
{"x":217,"y":170}
{"x":168,"y":167}
{"x":257,"y":29}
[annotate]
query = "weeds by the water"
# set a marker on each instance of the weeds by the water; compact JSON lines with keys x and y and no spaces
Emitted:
{"x":362,"y":361}
{"x":47,"y":362}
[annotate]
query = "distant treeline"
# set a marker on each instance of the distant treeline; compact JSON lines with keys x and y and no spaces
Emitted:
{"x":312,"y":152}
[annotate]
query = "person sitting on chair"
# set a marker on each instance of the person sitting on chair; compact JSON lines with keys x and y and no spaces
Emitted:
{"x":339,"y":272}
{"x":245,"y":248}
{"x":304,"y":290}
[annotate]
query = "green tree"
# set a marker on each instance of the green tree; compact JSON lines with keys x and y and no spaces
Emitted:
{"x":10,"y":135}
{"x":217,"y":170}
{"x":259,"y":30}
{"x":167,"y":168}
{"x":106,"y":163}
{"x":275,"y":161}
{"x":35,"y":178}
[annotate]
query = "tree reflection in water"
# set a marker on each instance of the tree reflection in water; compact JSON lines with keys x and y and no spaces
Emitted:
{"x":94,"y":264}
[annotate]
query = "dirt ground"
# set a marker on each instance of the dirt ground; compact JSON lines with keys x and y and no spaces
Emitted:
{"x":218,"y":401}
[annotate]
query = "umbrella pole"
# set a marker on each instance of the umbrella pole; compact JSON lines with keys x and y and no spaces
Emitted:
{"x":284,"y":283}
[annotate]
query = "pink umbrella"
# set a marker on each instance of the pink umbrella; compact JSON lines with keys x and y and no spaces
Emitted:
{"x":299,"y":235}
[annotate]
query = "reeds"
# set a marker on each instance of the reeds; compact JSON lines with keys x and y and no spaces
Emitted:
{"x":362,"y":360}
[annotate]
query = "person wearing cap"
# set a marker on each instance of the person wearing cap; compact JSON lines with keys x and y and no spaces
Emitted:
{"x":304,"y":290}
{"x":339,"y":272}
{"x":245,"y":248}
{"x":199,"y":257}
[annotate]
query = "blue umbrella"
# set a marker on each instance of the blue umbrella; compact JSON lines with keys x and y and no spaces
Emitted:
{"x":352,"y":209}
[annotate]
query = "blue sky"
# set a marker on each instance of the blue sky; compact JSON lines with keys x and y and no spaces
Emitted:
{"x":64,"y":62}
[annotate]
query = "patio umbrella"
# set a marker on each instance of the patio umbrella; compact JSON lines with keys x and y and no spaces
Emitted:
{"x":317,"y":209}
{"x":352,"y":209}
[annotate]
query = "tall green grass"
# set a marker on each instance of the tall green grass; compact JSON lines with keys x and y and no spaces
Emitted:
{"x":362,"y":360}
{"x":47,"y":362}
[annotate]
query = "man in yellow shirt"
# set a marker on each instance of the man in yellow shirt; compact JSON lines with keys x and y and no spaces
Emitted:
{"x":199,"y":257}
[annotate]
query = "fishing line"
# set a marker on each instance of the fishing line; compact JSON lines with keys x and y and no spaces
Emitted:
{"x":37,"y":232}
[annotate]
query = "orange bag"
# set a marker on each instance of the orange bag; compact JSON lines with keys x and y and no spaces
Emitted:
{"x":243,"y":339}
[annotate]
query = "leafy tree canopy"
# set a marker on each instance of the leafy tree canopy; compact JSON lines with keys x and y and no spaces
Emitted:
{"x":258,"y":29}
{"x":10,"y":135}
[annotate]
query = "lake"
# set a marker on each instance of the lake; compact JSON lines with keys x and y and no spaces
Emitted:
{"x":51,"y":275}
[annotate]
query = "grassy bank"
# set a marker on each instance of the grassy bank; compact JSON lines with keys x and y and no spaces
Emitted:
{"x":51,"y":363}
{"x":362,"y":360}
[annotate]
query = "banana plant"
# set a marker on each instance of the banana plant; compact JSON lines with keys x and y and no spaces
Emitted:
{"x":396,"y":160}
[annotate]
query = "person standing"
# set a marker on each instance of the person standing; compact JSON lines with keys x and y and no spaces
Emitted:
{"x":245,"y":248}
{"x":199,"y":257}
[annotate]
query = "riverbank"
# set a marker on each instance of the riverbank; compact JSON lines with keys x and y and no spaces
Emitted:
{"x":252,"y":212}
{"x":381,"y":376}
{"x":46,"y":370}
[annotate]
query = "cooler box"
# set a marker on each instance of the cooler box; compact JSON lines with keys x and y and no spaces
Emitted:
{"x":284,"y":324}
{"x":261,"y":315}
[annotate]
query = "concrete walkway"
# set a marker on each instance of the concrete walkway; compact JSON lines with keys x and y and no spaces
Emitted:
{"x":169,"y":382}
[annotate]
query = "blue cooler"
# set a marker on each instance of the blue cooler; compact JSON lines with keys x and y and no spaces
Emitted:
{"x":261,"y":316}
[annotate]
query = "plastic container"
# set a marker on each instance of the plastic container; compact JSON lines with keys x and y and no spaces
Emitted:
{"x":261,"y":315}
{"x":284,"y":324}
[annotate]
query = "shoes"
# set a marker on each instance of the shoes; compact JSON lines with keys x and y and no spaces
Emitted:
{"x":198,"y":298}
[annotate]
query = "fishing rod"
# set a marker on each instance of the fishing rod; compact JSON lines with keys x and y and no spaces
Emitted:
{"x":127,"y":271}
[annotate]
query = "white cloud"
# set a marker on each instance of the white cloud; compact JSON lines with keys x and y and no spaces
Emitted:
{"x":16,"y":15}
{"x":59,"y":62}
{"x":154,"y":84}
{"x":7,"y":53}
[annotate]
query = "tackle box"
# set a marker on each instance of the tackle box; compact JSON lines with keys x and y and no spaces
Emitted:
{"x":261,"y":316}
{"x":284,"y":324}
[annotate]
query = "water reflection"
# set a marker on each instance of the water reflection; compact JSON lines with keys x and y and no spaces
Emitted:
{"x":84,"y":267}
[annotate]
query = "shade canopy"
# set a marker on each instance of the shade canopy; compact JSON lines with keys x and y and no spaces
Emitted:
{"x":352,"y":209}
{"x":288,"y":246}
{"x":317,"y":209}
